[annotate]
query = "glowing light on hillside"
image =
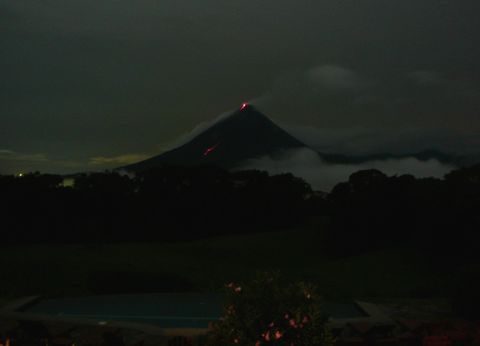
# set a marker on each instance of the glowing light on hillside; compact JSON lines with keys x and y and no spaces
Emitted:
{"x":244,"y":105}
{"x":209,"y":150}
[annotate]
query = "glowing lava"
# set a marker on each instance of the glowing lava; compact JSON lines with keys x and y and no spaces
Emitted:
{"x":244,"y":105}
{"x":209,"y":150}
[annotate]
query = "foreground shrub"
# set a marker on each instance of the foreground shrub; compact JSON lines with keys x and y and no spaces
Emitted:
{"x":267,"y":311}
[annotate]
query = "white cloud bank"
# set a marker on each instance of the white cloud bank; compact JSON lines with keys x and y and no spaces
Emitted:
{"x":322,"y":176}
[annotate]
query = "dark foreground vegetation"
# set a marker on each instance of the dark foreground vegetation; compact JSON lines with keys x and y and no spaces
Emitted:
{"x":369,"y":212}
{"x":164,"y":204}
{"x":371,"y":236}
{"x":267,"y":311}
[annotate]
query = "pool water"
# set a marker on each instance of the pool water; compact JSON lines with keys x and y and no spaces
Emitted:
{"x":166,"y":310}
{"x":174,"y":310}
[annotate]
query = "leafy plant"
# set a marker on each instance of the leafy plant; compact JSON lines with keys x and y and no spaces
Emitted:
{"x":269,"y":311}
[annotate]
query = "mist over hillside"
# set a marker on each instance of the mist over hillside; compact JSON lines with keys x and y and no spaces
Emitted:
{"x":324,"y":175}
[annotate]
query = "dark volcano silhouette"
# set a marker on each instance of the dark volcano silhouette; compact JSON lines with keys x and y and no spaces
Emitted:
{"x":244,"y":135}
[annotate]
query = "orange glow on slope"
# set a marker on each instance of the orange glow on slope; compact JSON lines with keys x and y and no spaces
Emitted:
{"x":209,"y":150}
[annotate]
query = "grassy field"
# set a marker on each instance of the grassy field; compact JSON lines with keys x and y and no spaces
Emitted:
{"x":205,"y":265}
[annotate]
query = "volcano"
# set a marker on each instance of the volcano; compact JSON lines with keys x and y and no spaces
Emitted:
{"x":245,"y":134}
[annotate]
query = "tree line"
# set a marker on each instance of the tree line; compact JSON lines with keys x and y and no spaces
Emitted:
{"x":168,"y":203}
{"x":439,"y":216}
{"x":370,"y":211}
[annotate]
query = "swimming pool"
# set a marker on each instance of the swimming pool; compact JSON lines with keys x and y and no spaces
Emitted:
{"x":172,"y":310}
{"x":165,"y":310}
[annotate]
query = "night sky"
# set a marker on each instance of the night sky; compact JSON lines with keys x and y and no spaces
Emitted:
{"x":89,"y":85}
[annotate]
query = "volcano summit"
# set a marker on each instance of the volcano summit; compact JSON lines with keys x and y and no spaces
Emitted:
{"x":245,"y":134}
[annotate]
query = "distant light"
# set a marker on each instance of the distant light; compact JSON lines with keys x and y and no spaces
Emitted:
{"x":20,"y":175}
{"x":68,"y":182}
{"x":244,"y":105}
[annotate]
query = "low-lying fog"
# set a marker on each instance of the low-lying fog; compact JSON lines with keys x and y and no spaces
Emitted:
{"x":323,"y":176}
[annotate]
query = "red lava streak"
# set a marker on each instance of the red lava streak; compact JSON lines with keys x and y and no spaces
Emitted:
{"x":209,"y":150}
{"x":244,"y":105}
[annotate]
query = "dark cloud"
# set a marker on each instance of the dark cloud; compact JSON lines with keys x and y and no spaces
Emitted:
{"x":12,"y":162}
{"x":427,"y":78}
{"x":336,"y":109}
{"x":365,"y":141}
{"x":10,"y":155}
{"x":336,"y":77}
